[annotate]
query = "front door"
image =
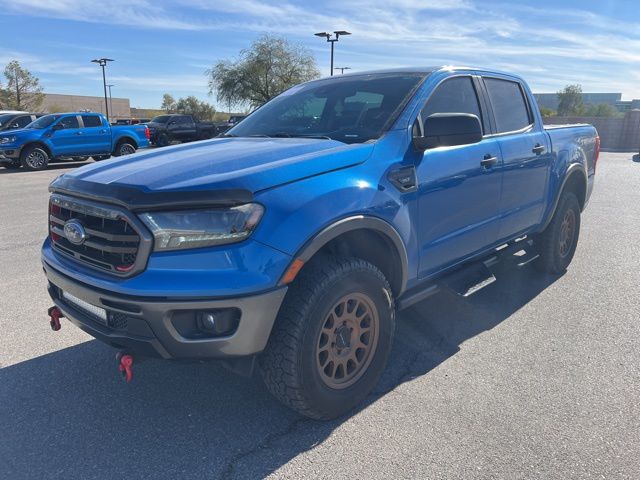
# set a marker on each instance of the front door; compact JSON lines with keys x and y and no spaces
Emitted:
{"x":459,"y":191}
{"x":68,"y":139}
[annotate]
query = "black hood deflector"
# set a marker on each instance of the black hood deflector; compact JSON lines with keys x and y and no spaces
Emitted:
{"x":137,"y":199}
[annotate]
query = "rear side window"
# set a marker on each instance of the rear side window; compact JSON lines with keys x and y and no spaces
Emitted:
{"x":509,"y":105}
{"x":456,"y":95}
{"x":91,"y":121}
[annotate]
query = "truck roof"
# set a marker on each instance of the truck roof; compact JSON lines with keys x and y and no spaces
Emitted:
{"x":427,"y":70}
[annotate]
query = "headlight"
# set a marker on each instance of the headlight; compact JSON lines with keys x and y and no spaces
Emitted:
{"x":7,"y":140}
{"x":178,"y":230}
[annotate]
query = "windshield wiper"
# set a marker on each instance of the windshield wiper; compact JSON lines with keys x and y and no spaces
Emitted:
{"x":289,"y":135}
{"x":321,"y":137}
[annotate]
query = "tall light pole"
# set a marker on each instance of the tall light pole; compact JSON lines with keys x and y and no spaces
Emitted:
{"x":342,"y":69}
{"x":111,"y":99}
{"x":103,"y":63}
{"x":332,"y":40}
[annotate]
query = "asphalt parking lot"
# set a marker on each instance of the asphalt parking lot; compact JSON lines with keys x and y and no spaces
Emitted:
{"x":533,"y":377}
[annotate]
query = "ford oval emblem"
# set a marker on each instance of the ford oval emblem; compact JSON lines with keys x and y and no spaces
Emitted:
{"x":75,"y":232}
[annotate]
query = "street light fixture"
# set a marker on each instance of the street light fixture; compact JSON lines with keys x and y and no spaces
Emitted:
{"x":331,"y":40}
{"x":110,"y":98}
{"x":103,"y":62}
{"x":342,"y":69}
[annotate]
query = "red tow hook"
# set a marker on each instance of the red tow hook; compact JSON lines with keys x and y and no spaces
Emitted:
{"x":125,"y":365}
{"x":54,"y":315}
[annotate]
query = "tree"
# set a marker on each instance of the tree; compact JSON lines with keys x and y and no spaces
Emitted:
{"x":570,"y":100}
{"x":192,"y":106}
{"x":23,"y":91}
{"x":600,"y":110}
{"x":269,"y":67}
{"x":168,"y":103}
{"x":547,"y":112}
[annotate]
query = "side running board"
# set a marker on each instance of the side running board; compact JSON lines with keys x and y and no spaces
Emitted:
{"x":472,"y":277}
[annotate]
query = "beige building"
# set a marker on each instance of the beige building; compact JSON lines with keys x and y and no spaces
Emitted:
{"x":56,"y":103}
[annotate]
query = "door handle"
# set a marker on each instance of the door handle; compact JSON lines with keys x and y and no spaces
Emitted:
{"x":538,"y":149}
{"x":103,"y":131}
{"x":488,"y":161}
{"x":78,"y":133}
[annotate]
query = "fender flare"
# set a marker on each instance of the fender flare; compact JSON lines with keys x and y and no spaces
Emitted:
{"x":574,"y":167}
{"x":38,"y":143}
{"x":357,"y":222}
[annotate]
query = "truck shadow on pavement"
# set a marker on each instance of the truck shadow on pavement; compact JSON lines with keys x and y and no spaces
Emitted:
{"x":69,"y":415}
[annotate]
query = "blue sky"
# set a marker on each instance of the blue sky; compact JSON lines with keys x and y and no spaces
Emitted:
{"x":165,"y":46}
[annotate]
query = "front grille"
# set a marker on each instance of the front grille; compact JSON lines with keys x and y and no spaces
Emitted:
{"x":111,"y":242}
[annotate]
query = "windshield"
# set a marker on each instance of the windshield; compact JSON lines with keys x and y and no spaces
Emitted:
{"x":161,"y":119}
{"x":44,"y":122}
{"x":352,"y":109}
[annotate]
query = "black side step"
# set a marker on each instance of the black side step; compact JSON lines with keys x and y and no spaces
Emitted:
{"x":472,"y":277}
{"x":468,"y":280}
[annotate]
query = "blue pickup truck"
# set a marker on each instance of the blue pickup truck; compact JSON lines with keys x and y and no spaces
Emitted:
{"x":290,"y":243}
{"x":63,"y":136}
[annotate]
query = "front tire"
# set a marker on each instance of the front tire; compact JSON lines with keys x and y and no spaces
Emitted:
{"x":557,"y":244}
{"x":34,"y":158}
{"x":332,"y":338}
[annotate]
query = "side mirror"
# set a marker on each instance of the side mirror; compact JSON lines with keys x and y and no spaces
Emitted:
{"x":172,"y":122}
{"x":449,"y":130}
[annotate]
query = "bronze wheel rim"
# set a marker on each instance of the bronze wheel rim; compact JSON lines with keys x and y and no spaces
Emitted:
{"x":567,"y":232}
{"x":347,"y":341}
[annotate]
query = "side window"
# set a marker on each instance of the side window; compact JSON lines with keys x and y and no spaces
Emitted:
{"x":70,"y":122}
{"x":184,"y":119}
{"x":91,"y":121}
{"x":509,"y":105}
{"x":456,"y":95}
{"x":23,"y":121}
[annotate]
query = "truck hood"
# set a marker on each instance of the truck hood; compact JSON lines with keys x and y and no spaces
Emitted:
{"x":18,"y":132}
{"x":240,"y":164}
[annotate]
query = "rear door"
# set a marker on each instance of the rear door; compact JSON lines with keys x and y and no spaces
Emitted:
{"x":68,"y":140}
{"x":97,"y":136}
{"x":525,"y":152}
{"x":459,"y":198}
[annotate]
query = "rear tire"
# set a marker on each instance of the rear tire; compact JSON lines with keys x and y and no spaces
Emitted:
{"x":557,"y":244}
{"x":34,"y":158}
{"x":124,"y":148}
{"x":332,"y":338}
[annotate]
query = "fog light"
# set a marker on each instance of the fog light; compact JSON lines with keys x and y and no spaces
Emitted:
{"x":219,"y":322}
{"x":207,"y":322}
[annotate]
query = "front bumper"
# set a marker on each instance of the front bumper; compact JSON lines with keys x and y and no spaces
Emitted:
{"x":146,"y":325}
{"x":9,"y":153}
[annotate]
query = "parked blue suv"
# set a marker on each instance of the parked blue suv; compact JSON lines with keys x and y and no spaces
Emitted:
{"x":63,"y":136}
{"x":291,"y":242}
